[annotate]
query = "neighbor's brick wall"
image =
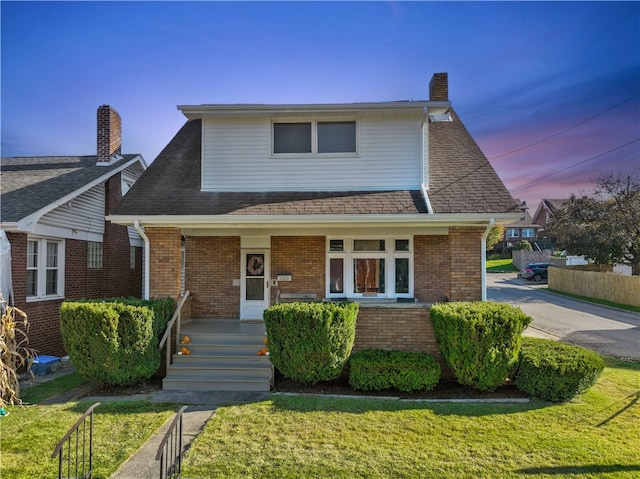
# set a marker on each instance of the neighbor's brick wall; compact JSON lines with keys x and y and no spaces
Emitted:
{"x":465,"y":257}
{"x":431,"y":265}
{"x":212,"y":263}
{"x":164,"y":262}
{"x":304,"y":257}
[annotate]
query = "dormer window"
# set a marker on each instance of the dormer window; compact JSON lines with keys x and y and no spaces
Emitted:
{"x":314,"y":137}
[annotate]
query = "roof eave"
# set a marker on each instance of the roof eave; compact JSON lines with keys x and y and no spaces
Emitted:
{"x":250,"y":221}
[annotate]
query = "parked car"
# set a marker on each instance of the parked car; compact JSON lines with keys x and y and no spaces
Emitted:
{"x":536,"y":271}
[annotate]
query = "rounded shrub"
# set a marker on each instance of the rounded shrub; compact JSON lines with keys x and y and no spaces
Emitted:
{"x":480,"y":341}
{"x":110,"y":343}
{"x":376,"y":370}
{"x":311,"y":342}
{"x":555,"y":371}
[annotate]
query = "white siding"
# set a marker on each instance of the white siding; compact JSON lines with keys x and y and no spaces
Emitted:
{"x":237,"y":157}
{"x":84,"y":213}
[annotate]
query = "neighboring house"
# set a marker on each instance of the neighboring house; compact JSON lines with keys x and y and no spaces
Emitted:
{"x":53,"y":213}
{"x":521,"y":230}
{"x":387,"y":204}
{"x":544,"y":213}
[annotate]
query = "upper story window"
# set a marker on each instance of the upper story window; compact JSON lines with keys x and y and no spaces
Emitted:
{"x":528,"y":232}
{"x":45,"y":268}
{"x":314,"y":137}
{"x":513,"y":232}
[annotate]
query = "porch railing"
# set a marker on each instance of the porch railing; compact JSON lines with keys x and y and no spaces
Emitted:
{"x":170,"y":449}
{"x":175,"y":319}
{"x":78,"y":465}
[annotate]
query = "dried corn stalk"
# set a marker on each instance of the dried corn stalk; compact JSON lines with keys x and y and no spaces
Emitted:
{"x":13,"y":352}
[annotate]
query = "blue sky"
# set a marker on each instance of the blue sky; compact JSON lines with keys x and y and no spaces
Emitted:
{"x":549,"y":90}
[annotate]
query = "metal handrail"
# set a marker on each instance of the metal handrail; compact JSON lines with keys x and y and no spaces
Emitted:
{"x":176,"y":316}
{"x":66,"y":439}
{"x":170,"y":449}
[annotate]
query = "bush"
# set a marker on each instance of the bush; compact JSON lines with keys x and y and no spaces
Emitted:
{"x":525,"y":245}
{"x":113,"y":343}
{"x":374,"y":369}
{"x":480,"y":341}
{"x":555,"y":371}
{"x":311,"y":342}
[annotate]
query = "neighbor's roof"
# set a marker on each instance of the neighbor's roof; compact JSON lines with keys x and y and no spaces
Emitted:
{"x":462,"y":181}
{"x":29,"y":184}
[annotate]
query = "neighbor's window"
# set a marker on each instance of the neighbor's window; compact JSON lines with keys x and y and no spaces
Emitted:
{"x":513,"y":232}
{"x":314,"y":137}
{"x":45,"y":268}
{"x":528,"y":232}
{"x":94,"y":255}
{"x":368,"y":267}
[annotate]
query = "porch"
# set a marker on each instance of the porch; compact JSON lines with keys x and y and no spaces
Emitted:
{"x":223,"y":356}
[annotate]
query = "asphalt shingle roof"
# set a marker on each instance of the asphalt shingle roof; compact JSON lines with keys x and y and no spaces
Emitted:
{"x":462,"y":181}
{"x":29,"y":184}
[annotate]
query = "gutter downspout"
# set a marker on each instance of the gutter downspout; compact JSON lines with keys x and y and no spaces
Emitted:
{"x":483,"y":261}
{"x":147,"y":257}
{"x":425,"y":195}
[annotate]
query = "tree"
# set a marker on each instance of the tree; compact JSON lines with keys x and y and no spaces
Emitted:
{"x":495,"y":236}
{"x":604,"y":228}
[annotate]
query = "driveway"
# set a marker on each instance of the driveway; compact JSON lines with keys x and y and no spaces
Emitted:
{"x":608,"y":331}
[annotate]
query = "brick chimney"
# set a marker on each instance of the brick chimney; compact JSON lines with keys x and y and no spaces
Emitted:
{"x":439,"y":87}
{"x":109,"y":135}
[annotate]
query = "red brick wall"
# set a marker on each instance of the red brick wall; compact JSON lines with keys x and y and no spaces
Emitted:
{"x":304,"y":257}
{"x":212,"y":263}
{"x":400,"y":329}
{"x":465,"y":258}
{"x":164,"y":262}
{"x":431,"y":264}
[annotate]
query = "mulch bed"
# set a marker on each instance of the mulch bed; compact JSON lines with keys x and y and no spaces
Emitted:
{"x":446,"y":389}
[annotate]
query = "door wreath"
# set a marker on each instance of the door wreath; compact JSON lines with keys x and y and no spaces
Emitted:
{"x":255,"y":265}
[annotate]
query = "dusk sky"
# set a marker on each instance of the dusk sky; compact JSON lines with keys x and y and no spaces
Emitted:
{"x":550,"y":91}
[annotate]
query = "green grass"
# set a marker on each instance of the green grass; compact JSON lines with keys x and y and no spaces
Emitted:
{"x":29,"y":434}
{"x":604,"y":302}
{"x":501,"y":265}
{"x":308,"y":437}
{"x":39,"y":392}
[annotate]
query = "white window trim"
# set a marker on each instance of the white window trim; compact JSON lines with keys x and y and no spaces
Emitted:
{"x":389,"y":255}
{"x":42,"y":269}
{"x":528,"y":230}
{"x":314,"y":139}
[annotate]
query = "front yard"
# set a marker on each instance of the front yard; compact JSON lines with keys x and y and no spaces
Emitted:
{"x":304,"y":437}
{"x":310,"y":437}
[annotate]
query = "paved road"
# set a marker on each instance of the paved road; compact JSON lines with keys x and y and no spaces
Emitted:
{"x":608,"y":331}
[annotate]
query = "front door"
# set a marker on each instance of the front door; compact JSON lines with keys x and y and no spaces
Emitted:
{"x":254,"y":294}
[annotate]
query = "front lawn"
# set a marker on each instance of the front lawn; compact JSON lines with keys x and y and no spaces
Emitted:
{"x":502,"y":265}
{"x":311,"y":437}
{"x":29,"y":434}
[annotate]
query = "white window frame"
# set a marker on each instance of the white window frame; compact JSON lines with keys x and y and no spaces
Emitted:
{"x":513,"y":233}
{"x":314,"y":138}
{"x":389,"y":255}
{"x":42,"y":268}
{"x":525,"y":232}
{"x":95,"y":255}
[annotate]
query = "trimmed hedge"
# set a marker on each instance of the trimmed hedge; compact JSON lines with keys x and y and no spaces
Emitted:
{"x":375,"y":369}
{"x":311,"y":342}
{"x":555,"y":371}
{"x":113,"y":343}
{"x":480,"y":341}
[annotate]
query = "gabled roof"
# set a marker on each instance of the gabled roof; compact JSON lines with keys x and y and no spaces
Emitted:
{"x":31,"y":184}
{"x":462,"y":181}
{"x":550,"y":205}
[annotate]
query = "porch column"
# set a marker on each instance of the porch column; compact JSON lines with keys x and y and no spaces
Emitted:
{"x":164,"y":262}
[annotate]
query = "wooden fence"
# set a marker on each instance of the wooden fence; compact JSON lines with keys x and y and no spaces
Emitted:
{"x":608,"y":286}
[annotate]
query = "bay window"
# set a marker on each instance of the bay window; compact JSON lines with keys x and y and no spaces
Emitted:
{"x":45,"y":268}
{"x":370,"y":267}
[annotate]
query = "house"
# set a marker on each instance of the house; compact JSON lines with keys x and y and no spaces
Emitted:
{"x":522,"y":230}
{"x":53,"y":214}
{"x":384,"y":203}
{"x":544,"y":212}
